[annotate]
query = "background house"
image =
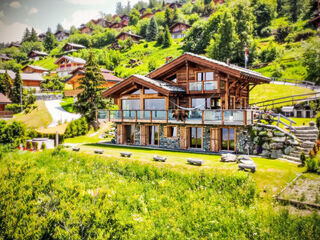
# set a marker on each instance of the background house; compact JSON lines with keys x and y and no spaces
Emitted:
{"x":34,"y":69}
{"x":125,"y":35}
{"x":36,"y":55}
{"x":66,"y":64}
{"x":4,"y":101}
{"x":32,"y":80}
{"x":61,"y":35}
{"x":4,"y":58}
{"x":178,"y":30}
{"x":72,"y":47}
{"x":85,"y":29}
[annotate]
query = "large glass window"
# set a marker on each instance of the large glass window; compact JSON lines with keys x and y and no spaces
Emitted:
{"x":155,"y":104}
{"x":195,"y":137}
{"x":228,"y":139}
{"x":204,"y":81}
{"x":150,"y":91}
{"x":131,"y":104}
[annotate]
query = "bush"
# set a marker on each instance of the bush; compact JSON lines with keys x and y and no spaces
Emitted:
{"x":266,"y":32}
{"x":318,"y":121}
{"x":43,"y":146}
{"x":77,"y":128}
{"x":303,"y":158}
{"x":312,"y":165}
{"x":36,"y":146}
{"x":15,"y":108}
{"x":29,"y":145}
{"x":299,"y":36}
{"x":282,"y":33}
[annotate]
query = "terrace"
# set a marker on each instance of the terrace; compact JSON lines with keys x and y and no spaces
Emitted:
{"x":238,"y":117}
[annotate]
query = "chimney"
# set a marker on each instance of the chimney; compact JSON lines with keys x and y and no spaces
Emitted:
{"x":228,"y":61}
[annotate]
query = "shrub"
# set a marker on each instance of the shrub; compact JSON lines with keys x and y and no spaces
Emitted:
{"x":318,"y":121}
{"x":24,"y":144}
{"x":266,"y":32}
{"x":303,"y":158}
{"x":27,"y":110}
{"x":312,"y":165}
{"x":29,"y":145}
{"x":36,"y":146}
{"x":299,"y":36}
{"x":282,"y":33}
{"x":15,"y":108}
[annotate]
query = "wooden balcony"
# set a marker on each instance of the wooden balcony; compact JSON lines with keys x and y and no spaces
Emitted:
{"x":237,"y":117}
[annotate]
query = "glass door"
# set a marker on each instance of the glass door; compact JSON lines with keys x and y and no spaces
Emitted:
{"x":153,"y":135}
{"x":228,"y":139}
{"x":195,"y":137}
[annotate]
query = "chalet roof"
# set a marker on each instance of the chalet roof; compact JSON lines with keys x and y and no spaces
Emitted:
{"x":162,"y":84}
{"x":243,"y":71}
{"x":12,"y":75}
{"x":107,"y":74}
{"x":74,"y":45}
{"x":175,"y":24}
{"x":130,"y":34}
{"x":15,"y":45}
{"x":4,"y":99}
{"x":36,"y":68}
{"x":64,"y":32}
{"x":38,"y":53}
{"x":71,"y":59}
{"x":31,"y":77}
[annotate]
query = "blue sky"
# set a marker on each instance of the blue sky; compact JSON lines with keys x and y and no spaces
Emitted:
{"x":16,"y":15}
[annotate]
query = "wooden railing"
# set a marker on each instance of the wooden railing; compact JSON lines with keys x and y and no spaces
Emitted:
{"x":293,"y":81}
{"x":6,"y":114}
{"x":290,"y":99}
{"x":215,"y":117}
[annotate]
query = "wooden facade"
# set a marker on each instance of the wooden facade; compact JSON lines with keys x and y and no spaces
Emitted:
{"x":34,"y":69}
{"x":177,"y":30}
{"x":192,"y":102}
{"x":125,"y":35}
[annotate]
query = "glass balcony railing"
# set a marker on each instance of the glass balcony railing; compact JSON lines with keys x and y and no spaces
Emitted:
{"x":207,"y":86}
{"x":221,"y":117}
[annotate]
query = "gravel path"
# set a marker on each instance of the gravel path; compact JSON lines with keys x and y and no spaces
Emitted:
{"x":59,"y":114}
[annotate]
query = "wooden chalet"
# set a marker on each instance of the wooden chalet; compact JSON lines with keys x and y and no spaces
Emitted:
{"x":85,"y":30}
{"x":61,"y":35}
{"x":192,"y":102}
{"x":4,"y":100}
{"x":66,"y":64}
{"x":36,"y":55}
{"x":178,"y":30}
{"x":119,"y":26}
{"x":78,"y":73}
{"x":102,"y":22}
{"x":31,"y":80}
{"x":316,"y":17}
{"x":72,"y":47}
{"x":146,"y":15}
{"x":34,"y":69}
{"x":4,"y":58}
{"x":125,"y":18}
{"x":125,"y":35}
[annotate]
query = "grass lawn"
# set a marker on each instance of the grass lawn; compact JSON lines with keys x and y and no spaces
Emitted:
{"x":269,"y":91}
{"x":47,"y":63}
{"x":67,"y":104}
{"x":52,"y":130}
{"x":37,"y":118}
{"x":271,"y":176}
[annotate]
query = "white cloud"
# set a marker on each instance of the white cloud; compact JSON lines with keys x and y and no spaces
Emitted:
{"x":13,"y":32}
{"x":1,"y":14}
{"x":15,"y":4}
{"x":33,"y":11}
{"x":80,"y":17}
{"x":87,"y":2}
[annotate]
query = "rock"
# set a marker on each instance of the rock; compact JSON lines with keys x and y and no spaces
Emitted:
{"x":279,"y":139}
{"x":245,"y":159}
{"x":287,"y":150}
{"x":255,"y":152}
{"x":266,"y":139}
{"x":262,"y":133}
{"x":276,"y":154}
{"x":265,"y":153}
{"x":265,"y":146}
{"x":228,"y":158}
{"x":270,"y":134}
{"x":292,"y":142}
{"x":256,"y":139}
{"x":278,"y":134}
{"x":276,"y":145}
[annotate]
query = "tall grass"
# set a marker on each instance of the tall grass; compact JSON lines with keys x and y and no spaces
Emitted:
{"x":74,"y":196}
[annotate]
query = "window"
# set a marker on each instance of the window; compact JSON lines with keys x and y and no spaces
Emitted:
{"x":155,"y":104}
{"x":204,"y":81}
{"x":153,"y":135}
{"x":136,"y":92}
{"x":195,"y":137}
{"x":228,"y":139}
{"x":201,"y":103}
{"x":131,"y":104}
{"x":171,"y":132}
{"x":173,"y":78}
{"x":149,"y":91}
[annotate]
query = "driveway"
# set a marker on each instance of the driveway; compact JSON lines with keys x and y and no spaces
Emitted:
{"x":59,"y":114}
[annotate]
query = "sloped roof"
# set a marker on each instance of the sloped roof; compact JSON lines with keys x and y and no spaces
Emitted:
{"x":107,"y":74}
{"x":12,"y":75}
{"x":130,"y":34}
{"x":243,"y":71}
{"x":31,"y":77}
{"x":74,"y":45}
{"x":4,"y":99}
{"x":72,"y":59}
{"x":175,"y":24}
{"x":38,"y":53}
{"x":36,"y":67}
{"x":161,"y":84}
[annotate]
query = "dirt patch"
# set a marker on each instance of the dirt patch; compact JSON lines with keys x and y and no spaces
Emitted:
{"x":305,"y":189}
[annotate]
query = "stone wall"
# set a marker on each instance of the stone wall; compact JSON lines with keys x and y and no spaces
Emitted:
{"x":48,"y":97}
{"x":265,"y":140}
{"x":170,"y":143}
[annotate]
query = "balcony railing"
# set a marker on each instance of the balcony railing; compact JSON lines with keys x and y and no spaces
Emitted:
{"x":215,"y":117}
{"x":205,"y":85}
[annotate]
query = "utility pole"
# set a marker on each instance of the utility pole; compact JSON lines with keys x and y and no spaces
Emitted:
{"x":21,"y":97}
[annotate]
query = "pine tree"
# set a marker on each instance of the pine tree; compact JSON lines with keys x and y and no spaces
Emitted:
{"x":175,"y":17}
{"x":26,"y":35}
{"x":60,"y":27}
{"x":152,"y":30}
{"x":134,"y":17}
{"x":73,"y":29}
{"x":222,"y":47}
{"x":34,"y":36}
{"x":15,"y":94}
{"x":90,"y":100}
{"x":167,"y":41}
{"x":6,"y":84}
{"x":49,"y":42}
{"x":119,"y":8}
{"x":168,"y":16}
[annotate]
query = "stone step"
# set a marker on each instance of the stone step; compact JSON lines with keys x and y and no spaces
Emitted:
{"x":307,"y":138}
{"x":310,"y":131}
{"x":294,"y":159}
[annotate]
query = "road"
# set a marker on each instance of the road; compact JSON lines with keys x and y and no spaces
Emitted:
{"x":59,"y":114}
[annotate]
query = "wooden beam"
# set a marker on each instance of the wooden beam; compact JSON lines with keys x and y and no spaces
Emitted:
{"x":226,"y":96}
{"x":252,"y":87}
{"x":187,"y":76}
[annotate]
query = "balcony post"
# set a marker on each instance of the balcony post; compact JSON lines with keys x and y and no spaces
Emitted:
{"x":109,"y":116}
{"x":222,"y":117}
{"x":121,"y":113}
{"x":245,"y":117}
{"x":202,"y":115}
{"x":136,"y":115}
{"x":167,"y":116}
{"x":151,"y":116}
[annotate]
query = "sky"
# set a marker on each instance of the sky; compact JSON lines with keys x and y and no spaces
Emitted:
{"x":17,"y":15}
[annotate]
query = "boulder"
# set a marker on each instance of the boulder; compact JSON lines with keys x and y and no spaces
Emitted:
{"x":245,"y":159}
{"x":292,"y":142}
{"x":288,"y":150}
{"x":276,"y":145}
{"x":270,"y":134}
{"x":279,"y":139}
{"x":228,"y":158}
{"x":276,"y":154}
{"x":263,"y":133}
{"x":256,"y":139}
{"x":265,"y":146}
{"x":278,"y":134}
{"x":265,"y":153}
